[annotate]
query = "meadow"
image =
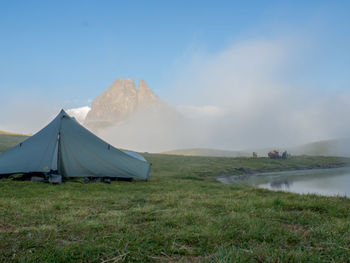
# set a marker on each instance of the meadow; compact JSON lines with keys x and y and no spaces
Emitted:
{"x":8,"y":140}
{"x":182,"y":214}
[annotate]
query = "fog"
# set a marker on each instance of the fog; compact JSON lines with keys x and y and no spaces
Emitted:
{"x":247,"y":96}
{"x":239,"y":98}
{"x":26,"y":114}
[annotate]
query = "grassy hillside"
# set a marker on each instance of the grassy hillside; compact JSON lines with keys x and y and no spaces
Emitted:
{"x":340,"y":147}
{"x":207,"y":152}
{"x":200,"y":168}
{"x":8,"y":140}
{"x":11,"y":133}
{"x":181,"y":215}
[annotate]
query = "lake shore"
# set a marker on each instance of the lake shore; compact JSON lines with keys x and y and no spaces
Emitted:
{"x":235,"y":178}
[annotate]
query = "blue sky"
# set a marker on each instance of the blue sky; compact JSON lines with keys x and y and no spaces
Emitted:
{"x":73,"y":50}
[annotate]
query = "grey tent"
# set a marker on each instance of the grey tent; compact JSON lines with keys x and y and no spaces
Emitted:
{"x":67,"y":148}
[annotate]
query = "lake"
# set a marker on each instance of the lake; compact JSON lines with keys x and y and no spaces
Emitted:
{"x":330,"y":182}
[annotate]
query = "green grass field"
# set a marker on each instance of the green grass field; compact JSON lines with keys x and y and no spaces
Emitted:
{"x":181,"y":215}
{"x":8,"y":140}
{"x":208,"y":152}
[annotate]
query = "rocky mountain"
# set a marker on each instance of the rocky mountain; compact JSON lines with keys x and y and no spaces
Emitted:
{"x":119,"y":102}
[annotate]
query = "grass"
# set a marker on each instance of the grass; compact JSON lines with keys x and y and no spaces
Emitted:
{"x":8,"y":140}
{"x":181,"y":215}
{"x":208,"y":152}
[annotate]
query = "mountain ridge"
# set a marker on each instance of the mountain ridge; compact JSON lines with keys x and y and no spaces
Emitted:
{"x":120,"y":101}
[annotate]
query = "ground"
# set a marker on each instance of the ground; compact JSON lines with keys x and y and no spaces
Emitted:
{"x":181,"y":215}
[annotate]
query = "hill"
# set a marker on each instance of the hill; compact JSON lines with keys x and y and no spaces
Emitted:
{"x":9,"y":139}
{"x":207,"y":152}
{"x":12,"y":133}
{"x":337,"y":147}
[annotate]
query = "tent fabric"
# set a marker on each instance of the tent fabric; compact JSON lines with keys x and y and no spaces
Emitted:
{"x":135,"y":155}
{"x":34,"y":154}
{"x":66,"y":146}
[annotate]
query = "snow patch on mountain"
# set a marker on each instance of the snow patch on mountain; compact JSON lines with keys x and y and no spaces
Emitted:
{"x":79,"y":113}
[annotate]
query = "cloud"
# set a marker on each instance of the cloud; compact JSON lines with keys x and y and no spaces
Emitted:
{"x":200,"y":111}
{"x":242,"y":97}
{"x":148,"y":130}
{"x":250,"y":82}
{"x":239,"y":98}
{"x":27,"y":115}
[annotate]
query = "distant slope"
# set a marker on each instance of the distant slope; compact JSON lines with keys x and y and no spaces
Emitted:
{"x":12,"y":133}
{"x":207,"y":152}
{"x":339,"y":147}
{"x":8,"y":140}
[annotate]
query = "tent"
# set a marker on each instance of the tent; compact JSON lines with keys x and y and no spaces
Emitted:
{"x":65,"y":147}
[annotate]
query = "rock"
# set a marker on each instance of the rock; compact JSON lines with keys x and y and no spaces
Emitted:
{"x":145,"y":96}
{"x":120,"y":101}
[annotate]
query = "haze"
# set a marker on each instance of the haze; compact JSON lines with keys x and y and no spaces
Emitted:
{"x":237,"y":76}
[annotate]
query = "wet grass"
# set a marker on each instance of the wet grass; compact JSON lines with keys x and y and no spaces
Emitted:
{"x":181,"y":215}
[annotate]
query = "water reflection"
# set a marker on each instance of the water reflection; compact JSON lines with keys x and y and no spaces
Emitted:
{"x":328,"y":182}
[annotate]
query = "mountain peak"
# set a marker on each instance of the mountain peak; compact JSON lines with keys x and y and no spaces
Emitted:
{"x":143,"y":85}
{"x":120,"y":101}
{"x":119,"y":86}
{"x":145,"y":95}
